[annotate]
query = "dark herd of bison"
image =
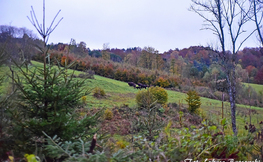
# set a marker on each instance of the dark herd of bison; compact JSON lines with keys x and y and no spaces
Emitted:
{"x":138,"y":86}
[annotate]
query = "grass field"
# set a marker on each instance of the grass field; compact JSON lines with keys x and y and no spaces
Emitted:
{"x":257,"y":87}
{"x":119,"y":93}
{"x":114,"y":87}
{"x":3,"y":73}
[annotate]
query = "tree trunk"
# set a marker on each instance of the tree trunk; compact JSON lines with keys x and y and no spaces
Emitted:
{"x":222,"y":105}
{"x":232,"y":97}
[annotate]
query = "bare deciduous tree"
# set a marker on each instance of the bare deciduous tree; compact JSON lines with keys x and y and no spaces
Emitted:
{"x":257,"y":16}
{"x":226,"y":19}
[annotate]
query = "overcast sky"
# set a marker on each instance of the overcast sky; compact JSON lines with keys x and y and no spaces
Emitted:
{"x":162,"y":24}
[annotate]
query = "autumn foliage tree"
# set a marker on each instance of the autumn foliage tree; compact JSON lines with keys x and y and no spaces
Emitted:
{"x":162,"y":82}
{"x":259,"y":76}
{"x":250,"y":70}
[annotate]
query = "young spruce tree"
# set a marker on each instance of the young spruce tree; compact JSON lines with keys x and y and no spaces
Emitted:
{"x":193,"y":101}
{"x":48,"y":97}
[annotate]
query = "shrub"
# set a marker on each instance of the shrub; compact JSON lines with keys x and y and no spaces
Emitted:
{"x":99,"y":92}
{"x":109,"y":71}
{"x":173,"y":82}
{"x":124,"y":75}
{"x":108,"y":115}
{"x":204,"y":91}
{"x":218,"y":95}
{"x":148,"y":122}
{"x":121,"y":144}
{"x":144,"y":98}
{"x":63,"y":61}
{"x":162,"y":82}
{"x":101,"y":70}
{"x":117,"y":75}
{"x":193,"y":100}
{"x":159,"y":94}
{"x":84,"y":99}
{"x":142,"y":78}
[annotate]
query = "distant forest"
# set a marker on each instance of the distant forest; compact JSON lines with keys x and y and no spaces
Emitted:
{"x":196,"y":62}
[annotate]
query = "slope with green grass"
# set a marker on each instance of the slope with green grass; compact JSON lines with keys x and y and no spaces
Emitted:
{"x":257,"y":87}
{"x":119,"y":93}
{"x":124,"y":92}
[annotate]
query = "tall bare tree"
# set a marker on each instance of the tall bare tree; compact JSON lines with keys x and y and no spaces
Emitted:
{"x":257,"y":17}
{"x":226,"y":19}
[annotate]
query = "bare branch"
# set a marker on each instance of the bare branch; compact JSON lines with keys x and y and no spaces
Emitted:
{"x":235,"y":15}
{"x":34,"y":17}
{"x":41,"y":27}
{"x":246,"y":39}
{"x":44,"y":18}
{"x":53,"y":22}
{"x":55,"y":26}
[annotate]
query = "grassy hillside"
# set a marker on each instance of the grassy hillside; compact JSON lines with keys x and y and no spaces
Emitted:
{"x":3,"y":73}
{"x":121,"y":90}
{"x":257,"y":87}
{"x":119,"y":93}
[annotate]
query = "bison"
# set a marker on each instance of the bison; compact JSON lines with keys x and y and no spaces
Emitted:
{"x":132,"y":84}
{"x":142,"y":85}
{"x":138,"y":87}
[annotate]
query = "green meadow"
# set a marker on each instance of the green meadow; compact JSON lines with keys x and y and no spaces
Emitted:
{"x":119,"y":93}
{"x":257,"y":87}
